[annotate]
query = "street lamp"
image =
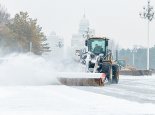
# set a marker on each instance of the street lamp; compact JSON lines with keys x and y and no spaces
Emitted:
{"x":30,"y":47}
{"x":148,"y":14}
{"x":133,"y":56}
{"x":59,"y":44}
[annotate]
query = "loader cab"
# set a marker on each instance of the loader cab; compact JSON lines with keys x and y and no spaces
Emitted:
{"x":97,"y":45}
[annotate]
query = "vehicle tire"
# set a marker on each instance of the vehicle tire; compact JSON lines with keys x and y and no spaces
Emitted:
{"x":106,"y":68}
{"x":115,"y":74}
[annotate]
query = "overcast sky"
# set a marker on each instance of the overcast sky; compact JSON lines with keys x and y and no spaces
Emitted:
{"x":116,"y":19}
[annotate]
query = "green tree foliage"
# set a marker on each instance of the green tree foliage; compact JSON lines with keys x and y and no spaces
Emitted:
{"x":152,"y":58}
{"x":140,"y":57}
{"x":17,"y":33}
{"x":4,"y":16}
{"x":7,"y":41}
{"x":27,"y":31}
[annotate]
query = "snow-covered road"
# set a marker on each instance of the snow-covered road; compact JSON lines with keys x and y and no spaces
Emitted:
{"x":28,"y":86}
{"x":133,"y":95}
{"x":133,"y":88}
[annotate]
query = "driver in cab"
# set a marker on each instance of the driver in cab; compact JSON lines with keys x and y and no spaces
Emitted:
{"x":98,"y":49}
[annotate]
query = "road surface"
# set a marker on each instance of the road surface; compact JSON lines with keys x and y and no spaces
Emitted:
{"x":133,"y":88}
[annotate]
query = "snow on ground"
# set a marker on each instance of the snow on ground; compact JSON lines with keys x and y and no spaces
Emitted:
{"x":28,"y":86}
{"x":63,"y":100}
{"x":132,"y":88}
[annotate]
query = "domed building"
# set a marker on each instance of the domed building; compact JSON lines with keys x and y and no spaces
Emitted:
{"x":84,"y":25}
{"x":78,"y":40}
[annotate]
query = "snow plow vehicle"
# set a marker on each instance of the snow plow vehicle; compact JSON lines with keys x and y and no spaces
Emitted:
{"x":98,"y":63}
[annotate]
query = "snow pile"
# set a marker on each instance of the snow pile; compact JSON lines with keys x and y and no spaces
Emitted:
{"x":26,"y":70}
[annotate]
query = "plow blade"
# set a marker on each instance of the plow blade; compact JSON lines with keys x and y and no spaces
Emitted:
{"x":82,"y":79}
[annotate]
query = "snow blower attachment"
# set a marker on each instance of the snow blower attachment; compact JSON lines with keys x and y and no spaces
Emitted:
{"x":98,"y":63}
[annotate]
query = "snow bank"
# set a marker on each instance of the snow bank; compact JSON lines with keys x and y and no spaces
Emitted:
{"x":26,"y":70}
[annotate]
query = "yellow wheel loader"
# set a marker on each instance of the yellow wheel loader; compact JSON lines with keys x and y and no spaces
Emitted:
{"x":99,"y":67}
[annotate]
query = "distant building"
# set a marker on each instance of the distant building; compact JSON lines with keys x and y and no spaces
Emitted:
{"x":78,"y":39}
{"x":56,"y":44}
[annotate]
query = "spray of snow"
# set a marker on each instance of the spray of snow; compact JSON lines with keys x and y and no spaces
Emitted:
{"x":25,"y":69}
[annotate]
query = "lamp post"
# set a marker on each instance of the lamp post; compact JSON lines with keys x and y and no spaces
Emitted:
{"x":148,"y":14}
{"x":59,"y":44}
{"x":30,"y":47}
{"x":133,"y":56}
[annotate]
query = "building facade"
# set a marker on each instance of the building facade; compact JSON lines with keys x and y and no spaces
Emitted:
{"x":56,"y":44}
{"x":78,"y":39}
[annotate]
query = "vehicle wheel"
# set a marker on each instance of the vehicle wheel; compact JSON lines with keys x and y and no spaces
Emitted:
{"x":115,"y":74}
{"x":106,"y":68}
